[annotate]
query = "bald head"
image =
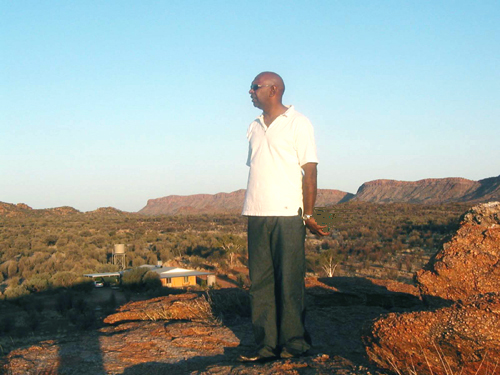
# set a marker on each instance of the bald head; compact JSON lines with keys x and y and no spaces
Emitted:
{"x":266,"y":92}
{"x":271,"y":78}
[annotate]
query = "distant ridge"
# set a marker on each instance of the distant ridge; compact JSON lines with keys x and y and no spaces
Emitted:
{"x":427,"y":191}
{"x":430,"y":191}
{"x":222,"y":202}
{"x":22,"y":210}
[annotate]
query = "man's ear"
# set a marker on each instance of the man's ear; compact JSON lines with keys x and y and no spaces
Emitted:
{"x":273,"y":91}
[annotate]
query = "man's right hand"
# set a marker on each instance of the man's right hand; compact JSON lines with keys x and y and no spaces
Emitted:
{"x":315,"y":228}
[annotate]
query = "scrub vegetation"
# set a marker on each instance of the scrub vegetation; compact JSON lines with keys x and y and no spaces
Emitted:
{"x":44,"y":252}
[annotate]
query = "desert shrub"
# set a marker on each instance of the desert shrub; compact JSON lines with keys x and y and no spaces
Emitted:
{"x":50,"y":240}
{"x":83,"y":284}
{"x":98,"y":240}
{"x":196,"y":261}
{"x":64,"y":279}
{"x":312,"y":262}
{"x":133,"y":279}
{"x":62,"y":241}
{"x":229,"y":303}
{"x":12,"y":269}
{"x":151,"y":280}
{"x":16,"y":292}
{"x":37,"y":284}
{"x":85,"y":233}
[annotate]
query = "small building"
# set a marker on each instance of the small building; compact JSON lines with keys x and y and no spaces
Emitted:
{"x":176,"y":277}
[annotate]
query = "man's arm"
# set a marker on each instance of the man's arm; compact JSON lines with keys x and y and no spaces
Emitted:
{"x":309,"y":191}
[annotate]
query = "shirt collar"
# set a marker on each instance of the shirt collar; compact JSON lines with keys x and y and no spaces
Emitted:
{"x":288,"y":112}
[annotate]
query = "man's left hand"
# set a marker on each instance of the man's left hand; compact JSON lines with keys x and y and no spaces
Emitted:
{"x":315,"y":228}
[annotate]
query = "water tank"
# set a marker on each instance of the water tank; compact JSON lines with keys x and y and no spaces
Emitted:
{"x":119,"y":249}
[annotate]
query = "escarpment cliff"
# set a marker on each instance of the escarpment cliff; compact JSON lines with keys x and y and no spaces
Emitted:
{"x":222,"y":202}
{"x":430,"y":191}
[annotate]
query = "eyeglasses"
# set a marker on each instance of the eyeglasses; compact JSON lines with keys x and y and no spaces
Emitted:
{"x":256,"y":87}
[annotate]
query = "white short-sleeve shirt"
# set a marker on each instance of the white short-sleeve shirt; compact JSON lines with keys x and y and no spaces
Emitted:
{"x":275,"y":156}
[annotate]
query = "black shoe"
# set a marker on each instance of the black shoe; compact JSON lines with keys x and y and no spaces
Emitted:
{"x":288,"y":354}
{"x":257,"y":357}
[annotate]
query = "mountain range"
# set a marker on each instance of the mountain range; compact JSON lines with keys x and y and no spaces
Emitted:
{"x":427,"y":191}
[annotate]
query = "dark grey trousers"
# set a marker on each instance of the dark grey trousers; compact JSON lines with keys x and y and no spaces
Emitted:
{"x":276,"y":261}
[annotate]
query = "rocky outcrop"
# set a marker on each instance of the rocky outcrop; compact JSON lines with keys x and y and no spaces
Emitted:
{"x":106,"y":211}
{"x":486,"y":215}
{"x":23,"y":210}
{"x":430,"y":191}
{"x":469,"y":263}
{"x":223,"y":203}
{"x":463,"y":336}
{"x":12,"y":210}
{"x":61,"y":211}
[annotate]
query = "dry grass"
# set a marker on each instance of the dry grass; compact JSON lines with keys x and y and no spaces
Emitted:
{"x":197,"y":309}
{"x":444,"y":368}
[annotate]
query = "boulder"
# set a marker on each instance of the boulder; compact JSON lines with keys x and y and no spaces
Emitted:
{"x":463,"y":338}
{"x":461,"y":333}
{"x":469,"y":263}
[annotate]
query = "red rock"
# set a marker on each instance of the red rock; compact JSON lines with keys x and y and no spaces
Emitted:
{"x":466,"y":336}
{"x":469,"y":263}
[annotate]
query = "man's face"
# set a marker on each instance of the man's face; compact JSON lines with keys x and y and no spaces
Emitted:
{"x":258,"y":95}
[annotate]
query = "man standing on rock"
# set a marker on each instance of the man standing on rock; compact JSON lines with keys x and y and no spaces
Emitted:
{"x":279,"y":203}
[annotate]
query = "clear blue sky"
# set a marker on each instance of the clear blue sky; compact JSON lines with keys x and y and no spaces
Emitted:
{"x":110,"y":103}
